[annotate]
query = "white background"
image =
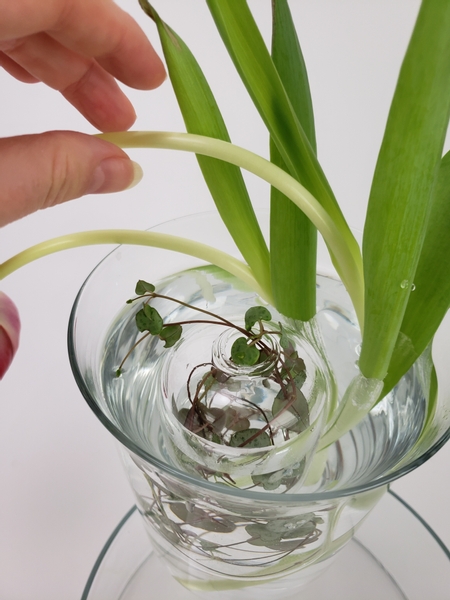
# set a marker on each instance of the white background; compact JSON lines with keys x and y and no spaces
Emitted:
{"x":62,"y":487}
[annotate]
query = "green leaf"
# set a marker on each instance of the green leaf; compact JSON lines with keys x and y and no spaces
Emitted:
{"x":286,"y":477}
{"x":236,"y":419}
{"x":239,"y":438}
{"x":244,"y":354}
{"x":274,"y":531}
{"x":202,"y":116}
{"x":208,"y":546}
{"x":252,"y":60}
{"x":171,"y":334}
{"x":202,"y":519}
{"x":290,"y":64}
{"x":213,"y":437}
{"x":143,"y":287}
{"x":260,"y":76}
{"x":430,"y":298}
{"x":285,"y":340}
{"x":402,"y":190}
{"x":293,"y":247}
{"x":299,"y":410}
{"x":293,"y":238}
{"x":149,"y":319}
{"x":268,"y":481}
{"x":293,"y":366}
{"x":260,"y":531}
{"x":255,"y":314}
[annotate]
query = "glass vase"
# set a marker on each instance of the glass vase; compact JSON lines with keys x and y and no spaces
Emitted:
{"x":233,"y":521}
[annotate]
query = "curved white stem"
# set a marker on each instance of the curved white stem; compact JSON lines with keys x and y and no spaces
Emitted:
{"x":348,"y":262}
{"x":141,"y":238}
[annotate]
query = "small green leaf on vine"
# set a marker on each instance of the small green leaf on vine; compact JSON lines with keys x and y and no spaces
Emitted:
{"x":149,"y":319}
{"x":236,"y":418}
{"x":170,"y":334}
{"x":244,"y":353}
{"x":294,"y":367}
{"x":268,"y":481}
{"x":285,"y":340}
{"x":255,"y":314}
{"x":296,"y":406}
{"x":143,"y":287}
{"x":257,"y":437}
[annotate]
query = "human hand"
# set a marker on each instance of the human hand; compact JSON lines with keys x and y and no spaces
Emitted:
{"x":80,"y":48}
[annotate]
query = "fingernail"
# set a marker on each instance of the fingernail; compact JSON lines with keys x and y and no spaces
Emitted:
{"x":138,"y":174}
{"x":114,"y":175}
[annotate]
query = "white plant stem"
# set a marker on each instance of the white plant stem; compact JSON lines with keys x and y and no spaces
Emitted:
{"x":348,"y":263}
{"x":138,"y":238}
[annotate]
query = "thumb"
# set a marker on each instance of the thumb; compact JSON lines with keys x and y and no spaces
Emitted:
{"x":38,"y":171}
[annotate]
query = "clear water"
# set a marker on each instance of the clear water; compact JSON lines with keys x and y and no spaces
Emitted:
{"x":153,"y":377}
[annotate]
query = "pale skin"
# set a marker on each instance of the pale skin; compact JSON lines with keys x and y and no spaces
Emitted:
{"x":79,"y":48}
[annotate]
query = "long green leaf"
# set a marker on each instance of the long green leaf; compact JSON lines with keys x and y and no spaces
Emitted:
{"x":257,"y":70}
{"x":430,"y":298}
{"x":406,"y":170}
{"x":293,"y":238}
{"x":202,"y":116}
{"x":288,"y":59}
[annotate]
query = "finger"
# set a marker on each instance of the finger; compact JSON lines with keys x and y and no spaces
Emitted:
{"x":16,"y":70}
{"x":38,"y":171}
{"x":81,"y":80}
{"x":9,"y":332}
{"x":96,"y":28}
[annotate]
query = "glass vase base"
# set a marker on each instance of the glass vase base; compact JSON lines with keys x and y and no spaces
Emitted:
{"x":394,"y":556}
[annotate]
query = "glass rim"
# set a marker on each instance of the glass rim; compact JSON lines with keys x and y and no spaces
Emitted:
{"x":285,"y":497}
